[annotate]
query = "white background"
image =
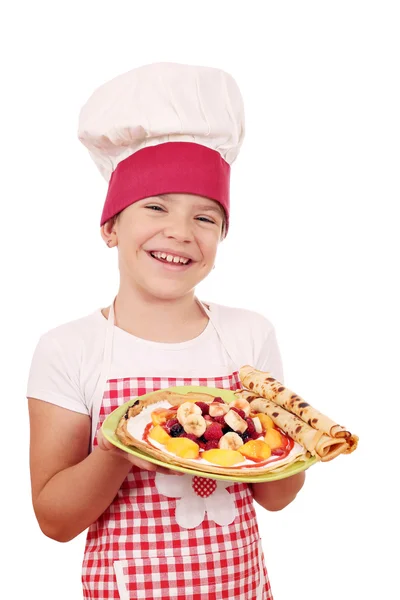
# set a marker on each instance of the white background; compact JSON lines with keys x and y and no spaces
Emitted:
{"x":313,"y":246}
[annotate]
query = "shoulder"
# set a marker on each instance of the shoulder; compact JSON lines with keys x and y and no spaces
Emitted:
{"x":249,"y":321}
{"x":65,"y":363}
{"x":77,"y":331}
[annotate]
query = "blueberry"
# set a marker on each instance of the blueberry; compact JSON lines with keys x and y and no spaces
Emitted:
{"x":176,"y":430}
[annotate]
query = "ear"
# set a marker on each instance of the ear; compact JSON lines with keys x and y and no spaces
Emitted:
{"x":109,"y":234}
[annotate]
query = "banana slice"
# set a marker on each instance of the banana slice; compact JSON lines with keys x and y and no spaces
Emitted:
{"x":186,"y":409}
{"x":230,"y":441}
{"x":217,"y":409}
{"x":195,"y":424}
{"x":258,"y":406}
{"x":241,"y":404}
{"x":235,"y":421}
{"x":257,"y":424}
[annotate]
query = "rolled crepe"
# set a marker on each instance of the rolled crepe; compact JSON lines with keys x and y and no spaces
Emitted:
{"x":315,"y":441}
{"x":267,"y":387}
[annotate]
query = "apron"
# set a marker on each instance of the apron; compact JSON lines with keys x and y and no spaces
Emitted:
{"x":158,"y":540}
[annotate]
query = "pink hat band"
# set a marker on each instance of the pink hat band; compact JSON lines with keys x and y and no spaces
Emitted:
{"x":171,"y":167}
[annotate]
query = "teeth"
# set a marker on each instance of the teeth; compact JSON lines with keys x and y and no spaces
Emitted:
{"x":169,"y":258}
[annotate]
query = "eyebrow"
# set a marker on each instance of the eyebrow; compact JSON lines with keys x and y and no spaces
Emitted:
{"x":205,"y":207}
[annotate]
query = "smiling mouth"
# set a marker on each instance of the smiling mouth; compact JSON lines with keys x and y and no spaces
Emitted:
{"x":170,"y":258}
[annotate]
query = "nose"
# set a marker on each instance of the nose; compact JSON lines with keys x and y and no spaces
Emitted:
{"x":180,"y":229}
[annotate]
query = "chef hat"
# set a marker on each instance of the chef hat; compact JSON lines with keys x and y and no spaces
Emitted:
{"x":164,"y":128}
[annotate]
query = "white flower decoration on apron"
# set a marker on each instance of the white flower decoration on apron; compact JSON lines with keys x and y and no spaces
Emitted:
{"x":196,"y":497}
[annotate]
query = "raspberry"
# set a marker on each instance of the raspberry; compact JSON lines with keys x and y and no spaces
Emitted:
{"x":211,"y":444}
{"x":250,"y":427}
{"x":190,"y":436}
{"x":220,"y":420}
{"x":201,"y":444}
{"x":204,"y":407}
{"x":176,"y":430}
{"x":208,"y":418}
{"x":239,"y":412}
{"x":171,"y":423}
{"x":214,"y":432}
{"x":218,"y":399}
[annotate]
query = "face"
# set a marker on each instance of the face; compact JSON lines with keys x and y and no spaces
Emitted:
{"x":166,"y":244}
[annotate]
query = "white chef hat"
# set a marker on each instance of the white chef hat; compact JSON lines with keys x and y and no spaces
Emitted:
{"x":164,"y":128}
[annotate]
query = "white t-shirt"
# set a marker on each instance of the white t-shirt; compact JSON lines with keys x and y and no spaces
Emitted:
{"x":67,"y":362}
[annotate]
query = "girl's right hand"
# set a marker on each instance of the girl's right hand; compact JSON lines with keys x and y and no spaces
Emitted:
{"x":104,"y":444}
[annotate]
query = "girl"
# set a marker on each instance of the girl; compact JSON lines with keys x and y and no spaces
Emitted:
{"x":164,"y":136}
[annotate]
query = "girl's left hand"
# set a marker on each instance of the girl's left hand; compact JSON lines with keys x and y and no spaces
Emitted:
{"x":104,"y":444}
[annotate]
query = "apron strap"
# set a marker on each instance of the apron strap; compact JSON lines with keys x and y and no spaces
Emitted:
{"x":105,"y":370}
{"x":227,"y":343}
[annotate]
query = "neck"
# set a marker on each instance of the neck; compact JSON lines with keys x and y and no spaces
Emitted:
{"x":158,"y":319}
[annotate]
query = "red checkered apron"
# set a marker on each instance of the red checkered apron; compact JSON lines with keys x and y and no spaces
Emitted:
{"x":136,"y":549}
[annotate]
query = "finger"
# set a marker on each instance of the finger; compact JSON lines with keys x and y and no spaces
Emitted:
{"x":168,"y":471}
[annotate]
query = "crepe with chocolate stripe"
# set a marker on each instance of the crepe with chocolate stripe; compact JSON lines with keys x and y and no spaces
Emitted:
{"x":267,"y":387}
{"x":315,"y":441}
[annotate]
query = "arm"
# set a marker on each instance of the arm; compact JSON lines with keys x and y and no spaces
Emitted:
{"x":275,"y":495}
{"x":71,"y":489}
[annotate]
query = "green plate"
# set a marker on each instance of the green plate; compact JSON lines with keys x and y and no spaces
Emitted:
{"x":111,"y":422}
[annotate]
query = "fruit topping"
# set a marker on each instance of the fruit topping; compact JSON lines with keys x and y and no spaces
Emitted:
{"x":171,"y":423}
{"x":245,"y":436}
{"x":257,"y":425}
{"x":242,"y":405}
{"x":256,"y":450}
{"x":216,"y":409}
{"x":204,"y":407}
{"x":235,"y":421}
{"x":190,"y":436}
{"x":176,"y":430}
{"x":230,"y":441}
{"x":159,"y":434}
{"x":186,"y":409}
{"x":211,"y":444}
{"x":159,"y":416}
{"x":183,"y":447}
{"x":195,"y":424}
{"x":251,"y":427}
{"x":218,"y":399}
{"x":239,"y":411}
{"x":223,"y":458}
{"x":214,"y":432}
{"x":274,"y":439}
{"x":266,"y":421}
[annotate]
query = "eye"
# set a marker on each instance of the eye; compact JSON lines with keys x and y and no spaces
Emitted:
{"x":155,"y":207}
{"x":205,"y":220}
